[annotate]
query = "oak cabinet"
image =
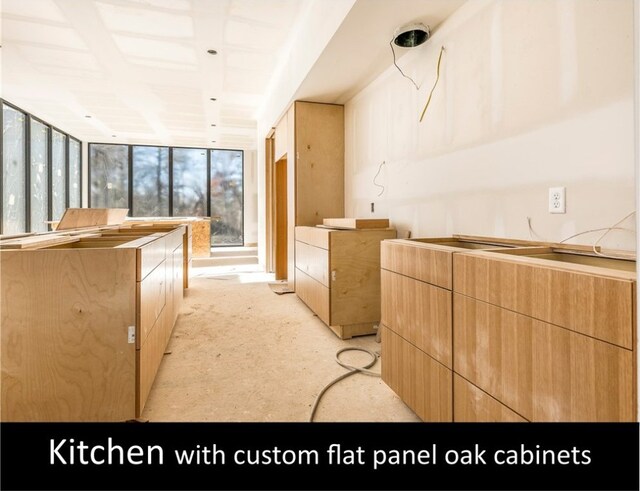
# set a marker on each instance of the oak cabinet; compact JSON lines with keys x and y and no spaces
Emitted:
{"x":542,"y":333}
{"x":547,"y":332}
{"x":417,"y":314}
{"x":308,"y":173}
{"x":338,"y":276}
{"x":85,"y":321}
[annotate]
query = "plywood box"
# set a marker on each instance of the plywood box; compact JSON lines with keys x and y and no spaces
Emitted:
{"x":338,"y":276}
{"x":85,"y":324}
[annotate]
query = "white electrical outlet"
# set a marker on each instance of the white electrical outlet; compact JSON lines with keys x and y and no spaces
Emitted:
{"x":557,"y":202}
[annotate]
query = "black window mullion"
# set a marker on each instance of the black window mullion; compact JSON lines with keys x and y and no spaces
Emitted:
{"x":67,"y":187}
{"x":209,"y":182}
{"x":49,"y":173}
{"x":170,"y":181}
{"x":27,"y":172}
{"x":81,"y":186}
{"x":2,"y":169}
{"x":243,"y":197}
{"x":130,"y":158}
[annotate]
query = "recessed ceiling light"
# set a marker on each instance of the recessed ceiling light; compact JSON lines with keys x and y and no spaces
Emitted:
{"x":212,"y":124}
{"x":213,"y":141}
{"x":87,"y":116}
{"x":214,"y":99}
{"x":113,"y":136}
{"x":212,"y":52}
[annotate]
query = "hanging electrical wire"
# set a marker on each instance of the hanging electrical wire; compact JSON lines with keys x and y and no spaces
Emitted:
{"x":434,"y":85}
{"x":393,"y":51}
{"x":376,"y":176}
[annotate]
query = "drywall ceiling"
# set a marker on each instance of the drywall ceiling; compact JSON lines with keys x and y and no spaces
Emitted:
{"x":140,"y":68}
{"x":360,"y":51}
{"x":141,"y":71}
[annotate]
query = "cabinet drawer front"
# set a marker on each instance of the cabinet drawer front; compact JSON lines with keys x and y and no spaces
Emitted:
{"x":421,"y":263}
{"x":471,"y":405}
{"x":313,"y":261}
{"x":493,"y":349}
{"x":544,"y":372}
{"x":314,"y":236}
{"x":151,"y":301}
{"x":597,"y":306}
{"x":149,"y":256}
{"x":314,"y":294}
{"x":421,"y":382}
{"x":420,"y":313}
{"x":149,"y":357}
{"x":175,"y":238}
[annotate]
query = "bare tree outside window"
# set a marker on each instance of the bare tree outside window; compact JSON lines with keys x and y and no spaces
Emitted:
{"x":109,"y":176}
{"x":189,"y":182}
{"x":227,"y":195}
{"x":150,"y":181}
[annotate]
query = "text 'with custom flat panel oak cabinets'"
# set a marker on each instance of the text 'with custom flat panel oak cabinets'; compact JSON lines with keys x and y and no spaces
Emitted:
{"x":285,"y":456}
{"x":72,"y":452}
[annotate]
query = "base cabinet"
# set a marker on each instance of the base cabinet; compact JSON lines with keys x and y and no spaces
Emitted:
{"x":85,"y":324}
{"x":338,"y":276}
{"x":540,"y":334}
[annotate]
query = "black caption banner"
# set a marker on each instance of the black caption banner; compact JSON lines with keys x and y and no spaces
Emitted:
{"x":319,"y":456}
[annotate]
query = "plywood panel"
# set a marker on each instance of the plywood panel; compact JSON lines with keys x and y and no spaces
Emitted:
{"x":314,"y":294}
{"x":91,"y":217}
{"x":315,"y":236}
{"x":598,"y":306}
{"x":313,"y":261}
{"x":355,"y":275}
{"x":36,"y":241}
{"x":65,"y":320}
{"x":419,"y":262}
{"x":420,"y":313}
{"x":472,"y":405}
{"x":493,"y":350}
{"x":152,"y":295}
{"x":356,"y":223}
{"x":201,"y":238}
{"x":319,"y":146}
{"x":421,"y":382}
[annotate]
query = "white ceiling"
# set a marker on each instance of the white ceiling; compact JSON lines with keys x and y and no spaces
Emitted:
{"x":140,"y":68}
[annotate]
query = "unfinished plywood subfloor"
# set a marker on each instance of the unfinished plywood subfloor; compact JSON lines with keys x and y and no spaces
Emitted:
{"x":241,"y":353}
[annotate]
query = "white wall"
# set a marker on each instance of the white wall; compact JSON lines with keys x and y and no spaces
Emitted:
{"x":532,"y":94}
{"x":315,"y":28}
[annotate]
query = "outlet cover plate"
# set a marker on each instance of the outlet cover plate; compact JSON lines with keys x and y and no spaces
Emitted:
{"x":557,"y":200}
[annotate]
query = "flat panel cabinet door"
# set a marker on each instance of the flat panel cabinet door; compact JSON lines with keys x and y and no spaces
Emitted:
{"x":178,"y":292}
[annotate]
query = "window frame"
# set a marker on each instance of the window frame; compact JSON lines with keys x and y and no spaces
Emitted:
{"x":208,"y":151}
{"x":27,"y":153}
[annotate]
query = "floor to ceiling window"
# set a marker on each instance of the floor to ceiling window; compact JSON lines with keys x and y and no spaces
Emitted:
{"x":227,"y":197}
{"x":155,"y":181}
{"x":75,"y":173}
{"x":150,"y":182}
{"x":58,"y":175}
{"x":109,"y":176}
{"x":39,"y":176}
{"x":41,"y":172}
{"x":189,"y":182}
{"x":13,"y":171}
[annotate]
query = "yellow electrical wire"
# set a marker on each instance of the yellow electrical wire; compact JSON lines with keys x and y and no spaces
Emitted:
{"x":434,"y":85}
